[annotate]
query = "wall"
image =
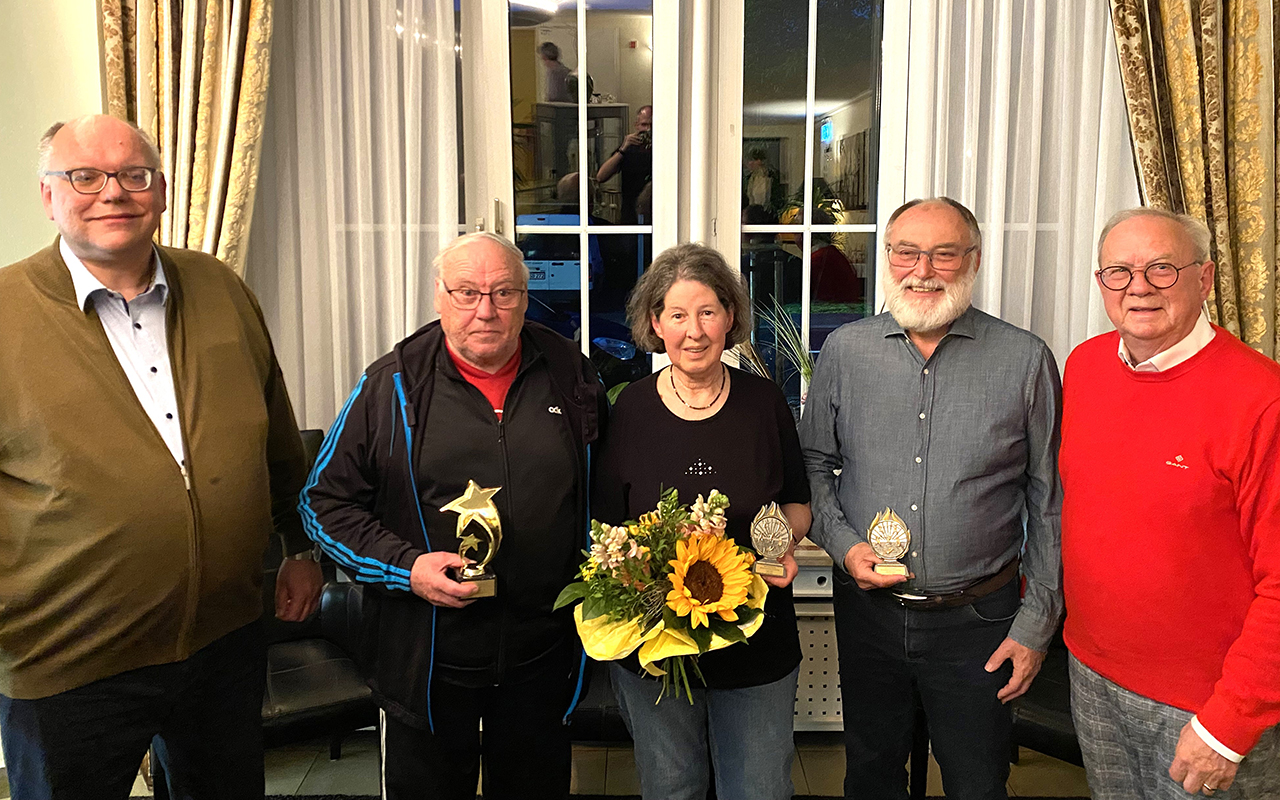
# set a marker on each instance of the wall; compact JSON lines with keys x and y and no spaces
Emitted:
{"x":50,"y":68}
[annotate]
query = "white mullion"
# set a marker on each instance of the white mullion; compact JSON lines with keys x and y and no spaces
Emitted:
{"x":895,"y":94}
{"x":731,"y":27}
{"x":806,"y":262}
{"x":584,"y":211}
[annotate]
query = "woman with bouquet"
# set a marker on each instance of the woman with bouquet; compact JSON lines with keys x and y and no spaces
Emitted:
{"x":696,"y":426}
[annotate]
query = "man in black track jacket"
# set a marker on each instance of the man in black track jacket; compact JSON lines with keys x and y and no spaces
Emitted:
{"x":480,"y":395}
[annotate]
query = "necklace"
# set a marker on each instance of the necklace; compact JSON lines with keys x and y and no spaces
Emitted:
{"x":671,"y":373}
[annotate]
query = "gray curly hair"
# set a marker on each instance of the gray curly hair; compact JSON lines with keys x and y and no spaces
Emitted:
{"x":688,"y":262}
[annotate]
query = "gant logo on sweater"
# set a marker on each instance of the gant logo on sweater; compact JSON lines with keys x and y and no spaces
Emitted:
{"x":555,"y":410}
{"x":1177,"y":462}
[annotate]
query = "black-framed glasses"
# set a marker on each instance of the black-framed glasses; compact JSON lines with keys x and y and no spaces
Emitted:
{"x":1160,"y":275}
{"x":942,"y":259}
{"x":86,"y":180}
{"x":467,"y":299}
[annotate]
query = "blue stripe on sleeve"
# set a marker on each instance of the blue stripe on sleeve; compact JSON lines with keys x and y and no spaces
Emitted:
{"x":365,"y":569}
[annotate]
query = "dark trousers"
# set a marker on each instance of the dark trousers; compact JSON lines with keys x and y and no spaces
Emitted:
{"x":525,"y":745}
{"x":204,"y":714}
{"x":887,"y":653}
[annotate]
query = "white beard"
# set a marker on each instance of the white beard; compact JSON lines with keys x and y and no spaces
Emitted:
{"x":924,"y":313}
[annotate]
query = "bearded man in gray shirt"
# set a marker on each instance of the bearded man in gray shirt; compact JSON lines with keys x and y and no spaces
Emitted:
{"x":931,"y":435}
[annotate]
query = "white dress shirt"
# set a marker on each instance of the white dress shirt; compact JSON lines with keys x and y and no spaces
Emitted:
{"x":1189,"y":345}
{"x":138,"y":335}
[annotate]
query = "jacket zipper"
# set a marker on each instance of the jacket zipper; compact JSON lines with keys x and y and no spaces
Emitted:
{"x":504,"y":623}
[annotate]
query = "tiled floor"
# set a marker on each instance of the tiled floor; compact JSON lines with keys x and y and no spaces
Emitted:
{"x":818,"y":770}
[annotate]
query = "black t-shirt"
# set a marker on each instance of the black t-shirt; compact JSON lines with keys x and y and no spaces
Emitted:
{"x":749,"y":451}
{"x":637,"y":171}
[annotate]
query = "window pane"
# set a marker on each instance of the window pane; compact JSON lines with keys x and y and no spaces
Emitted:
{"x":554,"y":281}
{"x":620,"y":75}
{"x":774,"y":66}
{"x":772,"y":267}
{"x":846,"y":111}
{"x":544,"y":111}
{"x":622,"y":258}
{"x":841,"y":279}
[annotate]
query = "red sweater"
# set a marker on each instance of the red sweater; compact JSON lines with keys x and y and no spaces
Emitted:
{"x":1171,"y":530}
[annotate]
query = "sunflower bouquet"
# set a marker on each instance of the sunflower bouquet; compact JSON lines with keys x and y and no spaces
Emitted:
{"x":670,"y":585}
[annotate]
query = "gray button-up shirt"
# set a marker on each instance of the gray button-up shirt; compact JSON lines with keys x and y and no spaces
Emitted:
{"x":963,"y":447}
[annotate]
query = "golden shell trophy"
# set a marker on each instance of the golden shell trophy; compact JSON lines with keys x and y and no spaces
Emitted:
{"x":476,"y":505}
{"x":890,"y":539}
{"x":771,"y":536}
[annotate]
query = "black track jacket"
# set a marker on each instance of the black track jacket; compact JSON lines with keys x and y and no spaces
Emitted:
{"x":411,"y":435}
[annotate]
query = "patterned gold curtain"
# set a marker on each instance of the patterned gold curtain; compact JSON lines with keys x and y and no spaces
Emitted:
{"x":193,"y":73}
{"x":1200,"y":84}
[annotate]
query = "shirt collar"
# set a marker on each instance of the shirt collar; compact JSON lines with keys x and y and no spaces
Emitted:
{"x":1199,"y":338}
{"x":86,"y":284}
{"x":964,"y":325}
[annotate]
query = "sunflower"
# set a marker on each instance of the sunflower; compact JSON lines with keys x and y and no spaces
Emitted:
{"x":710,"y":576}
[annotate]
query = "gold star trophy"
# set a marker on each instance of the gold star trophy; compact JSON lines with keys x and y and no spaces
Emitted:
{"x":771,"y":536}
{"x":476,"y":505}
{"x":890,"y":539}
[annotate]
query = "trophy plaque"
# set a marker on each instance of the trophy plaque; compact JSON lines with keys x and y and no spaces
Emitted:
{"x":771,"y":536}
{"x":890,"y":539}
{"x":476,"y":506}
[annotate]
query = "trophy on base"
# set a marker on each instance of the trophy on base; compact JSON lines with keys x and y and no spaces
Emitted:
{"x":476,"y":505}
{"x":771,"y":536}
{"x":890,"y":539}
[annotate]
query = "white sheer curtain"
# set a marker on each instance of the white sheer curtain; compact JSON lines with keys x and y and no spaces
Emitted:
{"x":358,"y":188}
{"x":1015,"y":108}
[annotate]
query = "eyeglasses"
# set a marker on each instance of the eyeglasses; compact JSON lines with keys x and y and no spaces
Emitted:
{"x":467,"y":299}
{"x":1159,"y":275}
{"x":91,"y":181}
{"x":942,"y":259}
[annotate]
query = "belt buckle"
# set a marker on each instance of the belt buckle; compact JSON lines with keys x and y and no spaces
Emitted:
{"x":906,"y":599}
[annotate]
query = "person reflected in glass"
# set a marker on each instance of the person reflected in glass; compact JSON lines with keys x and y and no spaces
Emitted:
{"x":762,"y":184}
{"x":557,"y":74}
{"x":695,"y":426}
{"x":634,"y":159}
{"x":832,"y":277}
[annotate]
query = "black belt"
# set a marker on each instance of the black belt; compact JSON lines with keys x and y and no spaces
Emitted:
{"x":963,"y":597}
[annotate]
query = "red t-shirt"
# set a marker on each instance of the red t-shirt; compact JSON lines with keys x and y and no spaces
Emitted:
{"x":1171,"y":530}
{"x":494,"y":385}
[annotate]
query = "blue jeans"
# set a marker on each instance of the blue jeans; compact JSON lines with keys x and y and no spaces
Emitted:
{"x":205,"y":714}
{"x":887,"y":654}
{"x":747,"y":730}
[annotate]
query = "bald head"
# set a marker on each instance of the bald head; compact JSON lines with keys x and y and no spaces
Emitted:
{"x":92,"y":127}
{"x":111,"y":227}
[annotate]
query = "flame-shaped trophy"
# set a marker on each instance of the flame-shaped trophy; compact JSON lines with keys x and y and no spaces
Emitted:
{"x":771,"y":536}
{"x":890,"y":539}
{"x":476,"y":505}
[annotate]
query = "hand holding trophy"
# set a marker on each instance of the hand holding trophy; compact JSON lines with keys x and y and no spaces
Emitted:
{"x":890,"y":539}
{"x":476,"y":505}
{"x":772,"y":537}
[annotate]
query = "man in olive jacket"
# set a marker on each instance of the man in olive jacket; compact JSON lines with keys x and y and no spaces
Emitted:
{"x":147,"y":450}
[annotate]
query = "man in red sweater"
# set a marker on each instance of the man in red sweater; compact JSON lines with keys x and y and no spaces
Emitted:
{"x":1170,"y":468}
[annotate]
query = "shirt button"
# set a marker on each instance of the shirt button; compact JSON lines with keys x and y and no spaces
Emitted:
{"x":926,"y":372}
{"x":914,"y":507}
{"x":922,"y":416}
{"x":137,"y":326}
{"x":168,"y":416}
{"x":154,"y":370}
{"x":917,"y":459}
{"x":915,"y":554}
